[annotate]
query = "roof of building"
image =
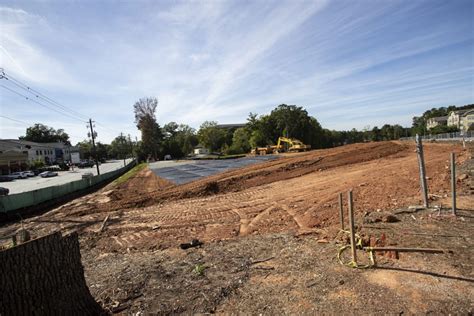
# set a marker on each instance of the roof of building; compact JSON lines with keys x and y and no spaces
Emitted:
{"x":461,"y":112}
{"x":20,"y":143}
{"x":439,"y":118}
{"x":7,"y":146}
{"x":236,"y":125}
{"x":469,"y":112}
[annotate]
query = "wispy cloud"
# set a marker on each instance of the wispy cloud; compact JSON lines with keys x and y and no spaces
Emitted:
{"x":350,"y":63}
{"x":19,"y":55}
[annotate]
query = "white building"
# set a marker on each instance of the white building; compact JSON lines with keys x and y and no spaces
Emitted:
{"x":201,"y":150}
{"x":45,"y":152}
{"x":462,"y":119}
{"x":435,"y":121}
{"x":468,"y":120}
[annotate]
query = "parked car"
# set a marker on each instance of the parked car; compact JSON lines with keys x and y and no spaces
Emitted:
{"x":19,"y":175}
{"x":4,"y":191}
{"x":6,"y":178}
{"x":29,"y":173}
{"x":86,"y":164}
{"x":48,"y":174}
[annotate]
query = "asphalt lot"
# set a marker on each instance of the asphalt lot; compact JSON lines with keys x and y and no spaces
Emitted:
{"x":34,"y":183}
{"x":186,"y":171}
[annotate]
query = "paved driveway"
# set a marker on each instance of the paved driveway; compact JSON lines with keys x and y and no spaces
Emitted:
{"x":34,"y":183}
{"x":184,"y":171}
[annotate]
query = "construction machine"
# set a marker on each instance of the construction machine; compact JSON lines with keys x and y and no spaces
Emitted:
{"x":263,"y":150}
{"x":294,"y":145}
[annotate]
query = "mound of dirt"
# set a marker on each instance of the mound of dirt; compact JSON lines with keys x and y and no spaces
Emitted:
{"x":289,"y":167}
{"x":142,"y":183}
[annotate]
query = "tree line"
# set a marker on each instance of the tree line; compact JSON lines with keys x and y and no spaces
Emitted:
{"x":179,"y":140}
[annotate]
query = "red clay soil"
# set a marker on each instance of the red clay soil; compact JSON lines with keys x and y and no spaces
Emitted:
{"x":143,"y":182}
{"x":291,"y":166}
{"x":135,"y":250}
{"x":296,"y":193}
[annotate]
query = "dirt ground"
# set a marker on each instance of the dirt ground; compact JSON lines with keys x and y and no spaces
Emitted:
{"x":285,"y":214}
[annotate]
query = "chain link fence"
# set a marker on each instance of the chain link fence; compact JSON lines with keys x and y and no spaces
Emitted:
{"x":456,"y":136}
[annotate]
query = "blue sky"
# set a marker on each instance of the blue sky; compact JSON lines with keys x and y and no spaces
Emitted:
{"x":351,"y":64}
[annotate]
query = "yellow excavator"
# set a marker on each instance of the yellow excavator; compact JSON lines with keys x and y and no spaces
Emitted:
{"x":294,"y":145}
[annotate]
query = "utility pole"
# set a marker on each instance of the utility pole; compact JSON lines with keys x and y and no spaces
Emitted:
{"x":131,"y":145}
{"x":123,"y":151}
{"x":136,"y":150}
{"x":94,"y":151}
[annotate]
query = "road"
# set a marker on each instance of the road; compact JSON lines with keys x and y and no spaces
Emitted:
{"x":34,"y":183}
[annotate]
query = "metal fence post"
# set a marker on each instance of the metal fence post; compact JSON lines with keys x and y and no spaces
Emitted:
{"x":341,"y":211}
{"x":453,"y":181}
{"x":352,"y":228}
{"x":421,"y":165}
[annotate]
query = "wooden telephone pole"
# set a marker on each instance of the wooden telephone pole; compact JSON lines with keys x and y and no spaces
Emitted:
{"x":94,"y":151}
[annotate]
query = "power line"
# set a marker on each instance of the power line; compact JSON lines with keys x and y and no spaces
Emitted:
{"x":44,"y":105}
{"x":111,"y":130}
{"x":30,"y":125}
{"x":39,"y":95}
{"x":14,"y":120}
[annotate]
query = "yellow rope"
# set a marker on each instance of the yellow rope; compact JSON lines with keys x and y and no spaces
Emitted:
{"x":351,"y":263}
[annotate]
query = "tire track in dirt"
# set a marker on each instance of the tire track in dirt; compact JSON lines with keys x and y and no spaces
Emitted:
{"x":299,"y":204}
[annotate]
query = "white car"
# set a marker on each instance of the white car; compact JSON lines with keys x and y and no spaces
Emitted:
{"x":19,"y":175}
{"x":29,"y":173}
{"x":48,"y":174}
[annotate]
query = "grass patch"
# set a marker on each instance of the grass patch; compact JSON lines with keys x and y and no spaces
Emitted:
{"x":130,"y":173}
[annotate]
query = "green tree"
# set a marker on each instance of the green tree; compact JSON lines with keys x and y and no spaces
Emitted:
{"x":85,"y":149}
{"x":257,"y":139}
{"x":179,"y":140}
{"x":43,"y":134}
{"x":285,"y":120}
{"x":441,"y":129}
{"x":376,"y":134}
{"x":210,"y":136}
{"x":102,"y":151}
{"x":240,"y":142}
{"x":145,"y":119}
{"x":120,"y":147}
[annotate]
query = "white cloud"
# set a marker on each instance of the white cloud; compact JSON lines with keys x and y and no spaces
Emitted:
{"x":18,"y":54}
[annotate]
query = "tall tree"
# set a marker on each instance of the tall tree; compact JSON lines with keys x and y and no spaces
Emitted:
{"x":285,"y":120}
{"x":85,"y":149}
{"x":211,"y":136}
{"x":145,"y":119}
{"x":240,"y":142}
{"x":43,"y":134}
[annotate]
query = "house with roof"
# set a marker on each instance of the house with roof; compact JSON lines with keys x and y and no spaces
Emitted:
{"x":462,"y":119}
{"x":468,"y":121}
{"x":436,"y":121}
{"x":455,"y":118}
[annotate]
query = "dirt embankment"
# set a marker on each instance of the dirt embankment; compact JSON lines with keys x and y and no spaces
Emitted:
{"x":268,"y":233}
{"x":288,"y":167}
{"x":295,"y":193}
